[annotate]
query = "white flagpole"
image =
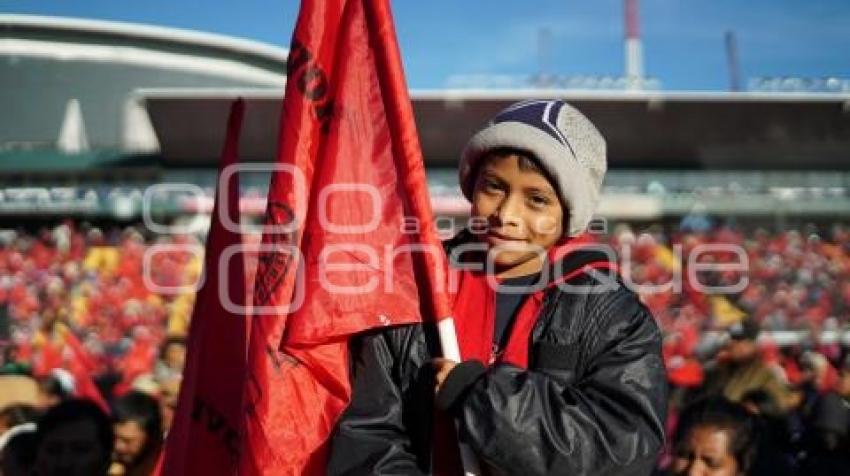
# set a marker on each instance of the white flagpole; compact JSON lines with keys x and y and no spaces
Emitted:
{"x":451,"y":351}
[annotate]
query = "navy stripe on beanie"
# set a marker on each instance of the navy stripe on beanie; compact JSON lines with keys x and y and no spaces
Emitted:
{"x":540,"y":114}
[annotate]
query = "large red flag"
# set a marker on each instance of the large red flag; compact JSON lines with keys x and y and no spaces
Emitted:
{"x":355,"y":246}
{"x":204,"y":438}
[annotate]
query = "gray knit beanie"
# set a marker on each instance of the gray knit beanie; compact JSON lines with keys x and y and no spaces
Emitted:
{"x":563,"y":140}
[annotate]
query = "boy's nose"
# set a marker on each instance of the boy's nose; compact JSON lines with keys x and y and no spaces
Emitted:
{"x":509,"y":212}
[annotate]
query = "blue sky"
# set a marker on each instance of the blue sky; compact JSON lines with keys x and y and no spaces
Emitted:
{"x":442,"y":39}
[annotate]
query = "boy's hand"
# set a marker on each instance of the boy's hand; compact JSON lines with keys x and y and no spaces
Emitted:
{"x":442,"y":367}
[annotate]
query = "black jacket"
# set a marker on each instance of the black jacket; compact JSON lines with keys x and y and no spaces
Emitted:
{"x":593,"y":400}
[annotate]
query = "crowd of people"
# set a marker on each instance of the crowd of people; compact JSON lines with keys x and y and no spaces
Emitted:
{"x":754,"y":409}
{"x":93,"y":334}
{"x":741,"y":403}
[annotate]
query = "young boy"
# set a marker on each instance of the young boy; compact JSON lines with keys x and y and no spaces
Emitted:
{"x":562,"y":369}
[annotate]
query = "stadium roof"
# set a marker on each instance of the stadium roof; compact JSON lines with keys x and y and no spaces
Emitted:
{"x":173,"y":48}
{"x":644,"y":129}
{"x":49,"y":63}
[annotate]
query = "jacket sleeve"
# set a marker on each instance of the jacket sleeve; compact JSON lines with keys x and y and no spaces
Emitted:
{"x":371,"y":436}
{"x":610,"y":420}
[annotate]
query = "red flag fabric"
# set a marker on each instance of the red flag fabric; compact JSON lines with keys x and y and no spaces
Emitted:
{"x":63,"y":350}
{"x":82,"y":367}
{"x":361,"y":250}
{"x":204,"y":438}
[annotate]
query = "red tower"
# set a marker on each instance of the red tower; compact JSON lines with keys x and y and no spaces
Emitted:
{"x":633,"y":48}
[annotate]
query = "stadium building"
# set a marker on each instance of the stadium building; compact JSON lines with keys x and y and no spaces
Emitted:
{"x":98,"y":112}
{"x":112,"y":123}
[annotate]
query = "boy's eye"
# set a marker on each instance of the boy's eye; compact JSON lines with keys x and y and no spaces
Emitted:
{"x":539,"y":200}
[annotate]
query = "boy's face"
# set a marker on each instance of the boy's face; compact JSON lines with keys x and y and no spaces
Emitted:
{"x":523,"y":214}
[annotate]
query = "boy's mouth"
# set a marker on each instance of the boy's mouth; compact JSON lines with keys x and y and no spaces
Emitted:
{"x":498,"y":238}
